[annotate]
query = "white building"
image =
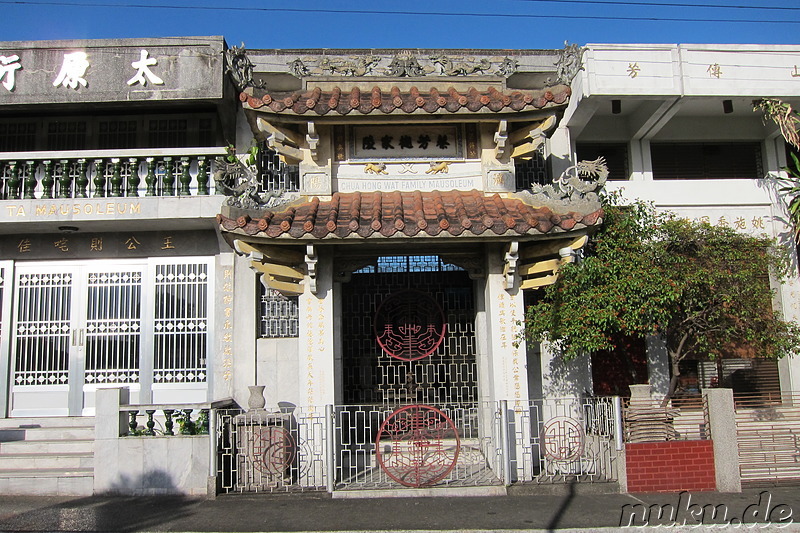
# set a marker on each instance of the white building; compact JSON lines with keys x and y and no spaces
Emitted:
{"x":369,"y":273}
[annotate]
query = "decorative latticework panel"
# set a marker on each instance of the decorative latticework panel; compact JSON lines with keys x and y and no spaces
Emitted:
{"x":373,"y":376}
{"x":279,"y":314}
{"x":113,"y":327}
{"x":277,"y":175}
{"x":533,"y":171}
{"x":180,"y":329}
{"x":43,"y":328}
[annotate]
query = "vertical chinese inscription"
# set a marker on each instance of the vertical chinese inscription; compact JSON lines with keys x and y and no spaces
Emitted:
{"x":227,"y":327}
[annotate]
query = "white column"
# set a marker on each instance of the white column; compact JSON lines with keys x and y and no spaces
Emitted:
{"x":316,"y":350}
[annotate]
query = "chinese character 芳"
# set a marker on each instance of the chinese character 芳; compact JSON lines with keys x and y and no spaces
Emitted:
{"x":442,"y":142}
{"x":62,"y":244}
{"x":405,"y":141}
{"x":386,"y":142}
{"x":368,"y":143}
{"x":96,"y":245}
{"x":715,"y":71}
{"x":168,"y":243}
{"x":423,"y":141}
{"x":143,"y":70}
{"x":24,"y":246}
{"x":132,"y":243}
{"x":633,"y":69}
{"x":72,"y":70}
{"x":9,"y":64}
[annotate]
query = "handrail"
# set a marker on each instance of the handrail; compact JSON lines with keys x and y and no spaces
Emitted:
{"x":122,"y":154}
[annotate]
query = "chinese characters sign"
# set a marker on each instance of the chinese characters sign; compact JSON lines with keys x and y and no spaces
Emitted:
{"x":405,"y":142}
{"x":110,"y":70}
{"x":95,"y":245}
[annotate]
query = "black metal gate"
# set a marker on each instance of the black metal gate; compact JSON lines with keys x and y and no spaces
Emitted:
{"x":430,"y":373}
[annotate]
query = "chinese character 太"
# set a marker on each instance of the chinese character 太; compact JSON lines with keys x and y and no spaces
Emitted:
{"x":143,"y":72}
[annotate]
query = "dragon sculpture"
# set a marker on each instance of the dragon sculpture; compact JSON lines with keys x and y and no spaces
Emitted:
{"x":577,"y":188}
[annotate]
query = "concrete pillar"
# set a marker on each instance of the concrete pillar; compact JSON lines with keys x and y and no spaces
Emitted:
{"x":722,"y":419}
{"x":109,"y":424}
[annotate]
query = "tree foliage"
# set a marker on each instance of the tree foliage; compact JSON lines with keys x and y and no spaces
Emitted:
{"x":704,"y":289}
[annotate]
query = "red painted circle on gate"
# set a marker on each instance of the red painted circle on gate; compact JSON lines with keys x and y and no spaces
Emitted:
{"x":417,"y":445}
{"x":409,"y":325}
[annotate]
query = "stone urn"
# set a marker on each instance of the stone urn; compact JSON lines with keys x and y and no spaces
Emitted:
{"x":256,"y":400}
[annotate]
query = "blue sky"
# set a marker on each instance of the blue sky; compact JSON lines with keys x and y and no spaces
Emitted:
{"x":380,"y":23}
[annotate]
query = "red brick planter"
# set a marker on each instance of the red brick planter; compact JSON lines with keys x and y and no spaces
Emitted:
{"x":670,"y":466}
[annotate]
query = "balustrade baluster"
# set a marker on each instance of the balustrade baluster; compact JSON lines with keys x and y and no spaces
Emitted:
{"x":202,"y":175}
{"x":150,"y":178}
{"x":13,"y":182}
{"x":116,"y":178}
{"x":186,"y":427}
{"x":168,"y":423}
{"x":168,"y":181}
{"x":133,"y":177}
{"x":132,"y":424}
{"x":48,"y":181}
{"x":186,"y":178}
{"x":99,"y":179}
{"x":82,"y":181}
{"x":65,"y":179}
{"x":30,"y":180}
{"x":150,"y":422}
{"x":205,"y":416}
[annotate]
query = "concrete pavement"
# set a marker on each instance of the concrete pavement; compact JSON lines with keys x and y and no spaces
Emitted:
{"x":570,"y":511}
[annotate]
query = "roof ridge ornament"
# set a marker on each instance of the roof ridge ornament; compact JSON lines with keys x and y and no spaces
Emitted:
{"x":240,"y":68}
{"x":570,"y":62}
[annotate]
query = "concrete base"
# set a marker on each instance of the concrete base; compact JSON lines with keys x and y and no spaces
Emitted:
{"x":447,"y":492}
{"x":563,"y":489}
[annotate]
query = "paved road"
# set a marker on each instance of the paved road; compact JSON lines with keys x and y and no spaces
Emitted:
{"x":319,"y":512}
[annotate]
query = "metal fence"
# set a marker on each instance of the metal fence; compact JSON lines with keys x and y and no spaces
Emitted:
{"x":380,"y":447}
{"x":564,"y":440}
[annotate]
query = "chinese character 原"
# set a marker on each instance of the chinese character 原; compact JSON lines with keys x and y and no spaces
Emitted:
{"x":72,"y":70}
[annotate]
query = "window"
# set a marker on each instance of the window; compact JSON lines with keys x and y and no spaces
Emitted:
{"x":277,"y":175}
{"x":532,"y":171}
{"x":109,"y":132}
{"x":17,"y":137}
{"x":279,"y":315}
{"x":687,"y":161}
{"x":615,"y":154}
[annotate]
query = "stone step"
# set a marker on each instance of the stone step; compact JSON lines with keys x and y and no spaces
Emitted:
{"x":46,"y":461}
{"x":47,"y":482}
{"x":46,"y":433}
{"x":46,"y":421}
{"x":50,"y":446}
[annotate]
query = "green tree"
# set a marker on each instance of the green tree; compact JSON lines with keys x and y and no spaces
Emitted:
{"x":704,"y":289}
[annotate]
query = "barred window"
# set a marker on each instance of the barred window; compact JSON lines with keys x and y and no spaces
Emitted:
{"x":277,"y":175}
{"x":615,"y":154}
{"x":532,"y":171}
{"x":279,"y":315}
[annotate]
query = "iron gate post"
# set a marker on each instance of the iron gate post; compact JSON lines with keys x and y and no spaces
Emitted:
{"x":330,"y":449}
{"x":618,"y":429}
{"x":505,"y":444}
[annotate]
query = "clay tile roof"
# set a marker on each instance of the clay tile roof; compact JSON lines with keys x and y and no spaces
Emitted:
{"x":409,"y":214}
{"x":342,"y":101}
